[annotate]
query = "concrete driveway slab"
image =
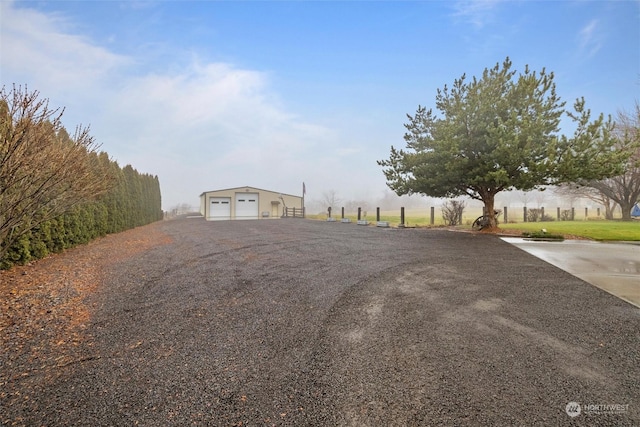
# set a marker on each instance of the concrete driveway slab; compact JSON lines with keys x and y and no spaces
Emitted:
{"x":613,"y":267}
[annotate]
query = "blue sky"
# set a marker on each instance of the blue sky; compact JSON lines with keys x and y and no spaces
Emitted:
{"x":218,"y":94}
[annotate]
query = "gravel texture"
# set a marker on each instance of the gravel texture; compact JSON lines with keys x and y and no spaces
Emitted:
{"x":310,"y":323}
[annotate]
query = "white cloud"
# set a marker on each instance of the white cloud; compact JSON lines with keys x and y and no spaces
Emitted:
{"x":477,"y":12}
{"x":38,"y":48}
{"x":210,"y":126}
{"x":215,"y":108}
{"x":198,"y":127}
{"x":590,"y":39}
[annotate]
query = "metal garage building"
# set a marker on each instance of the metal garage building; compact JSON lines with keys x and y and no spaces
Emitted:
{"x":248,"y":203}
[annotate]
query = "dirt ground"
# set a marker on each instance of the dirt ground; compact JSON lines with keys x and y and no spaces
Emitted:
{"x":295,"y":322}
{"x":44,"y":306}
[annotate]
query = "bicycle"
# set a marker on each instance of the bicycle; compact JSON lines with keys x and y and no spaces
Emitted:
{"x":483,"y":221}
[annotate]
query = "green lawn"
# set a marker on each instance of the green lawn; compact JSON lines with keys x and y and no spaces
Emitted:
{"x":592,"y":229}
{"x":409,"y":220}
{"x":597,"y":230}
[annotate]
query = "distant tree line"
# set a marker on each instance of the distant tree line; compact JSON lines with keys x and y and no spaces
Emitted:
{"x":56,"y":190}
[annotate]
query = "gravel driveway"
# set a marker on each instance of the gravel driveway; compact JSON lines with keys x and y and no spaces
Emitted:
{"x":299,"y":322}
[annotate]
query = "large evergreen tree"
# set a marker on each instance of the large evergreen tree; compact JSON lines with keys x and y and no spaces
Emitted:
{"x":497,"y":133}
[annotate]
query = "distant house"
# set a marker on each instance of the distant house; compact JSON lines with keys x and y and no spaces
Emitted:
{"x":635,"y":212}
{"x":247,"y":203}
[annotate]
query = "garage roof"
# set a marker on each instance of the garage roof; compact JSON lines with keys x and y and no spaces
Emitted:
{"x":245,"y":187}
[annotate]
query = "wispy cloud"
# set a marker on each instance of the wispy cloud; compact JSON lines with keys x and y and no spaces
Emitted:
{"x":40,"y":48}
{"x":476,"y":12}
{"x":590,"y":39}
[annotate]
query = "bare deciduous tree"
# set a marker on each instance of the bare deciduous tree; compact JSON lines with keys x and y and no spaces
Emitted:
{"x":452,"y":212}
{"x":573,"y":192}
{"x":353,"y":205}
{"x":43,"y":171}
{"x":623,"y":190}
{"x":330,"y":199}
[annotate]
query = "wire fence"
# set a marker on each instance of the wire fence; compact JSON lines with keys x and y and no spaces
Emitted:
{"x":434,"y":216}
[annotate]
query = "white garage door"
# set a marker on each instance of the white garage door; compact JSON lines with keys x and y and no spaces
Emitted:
{"x":220,"y":208}
{"x":246,"y":205}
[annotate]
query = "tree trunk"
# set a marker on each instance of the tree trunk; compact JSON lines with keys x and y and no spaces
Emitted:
{"x":626,"y":210}
{"x":489,"y":207}
{"x":608,"y":208}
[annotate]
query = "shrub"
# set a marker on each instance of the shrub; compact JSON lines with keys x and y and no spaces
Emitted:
{"x":452,"y":212}
{"x":542,"y":234}
{"x":565,"y":215}
{"x":535,"y":215}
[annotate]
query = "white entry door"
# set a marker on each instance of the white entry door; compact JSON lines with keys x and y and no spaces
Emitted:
{"x":247,"y":205}
{"x":219,"y":208}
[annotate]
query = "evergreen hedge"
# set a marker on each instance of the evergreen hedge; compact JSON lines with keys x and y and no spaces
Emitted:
{"x":133,"y":200}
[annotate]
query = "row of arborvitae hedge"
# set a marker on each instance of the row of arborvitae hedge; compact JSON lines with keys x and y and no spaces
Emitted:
{"x":133,"y":200}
